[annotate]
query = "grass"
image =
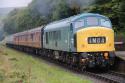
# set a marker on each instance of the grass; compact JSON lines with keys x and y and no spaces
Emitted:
{"x":18,"y":67}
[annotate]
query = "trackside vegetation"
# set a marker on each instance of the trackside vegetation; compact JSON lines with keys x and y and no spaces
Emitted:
{"x":18,"y":67}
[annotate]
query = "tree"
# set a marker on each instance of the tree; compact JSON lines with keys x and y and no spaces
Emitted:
{"x":41,"y":12}
{"x":61,"y":11}
{"x":101,"y":1}
{"x":122,"y":14}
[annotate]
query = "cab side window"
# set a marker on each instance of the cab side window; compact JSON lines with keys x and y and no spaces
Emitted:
{"x":105,"y":23}
{"x":79,"y":23}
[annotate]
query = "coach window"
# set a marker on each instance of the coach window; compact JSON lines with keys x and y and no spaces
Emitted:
{"x":39,"y":36}
{"x":26,"y":37}
{"x":46,"y":37}
{"x":32,"y":37}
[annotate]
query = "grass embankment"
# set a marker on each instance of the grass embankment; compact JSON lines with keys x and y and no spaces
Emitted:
{"x":18,"y":67}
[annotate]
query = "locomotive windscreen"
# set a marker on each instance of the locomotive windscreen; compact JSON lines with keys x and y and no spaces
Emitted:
{"x":98,"y":21}
{"x":92,"y":21}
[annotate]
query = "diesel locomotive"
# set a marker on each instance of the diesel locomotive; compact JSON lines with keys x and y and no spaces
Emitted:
{"x":84,"y":40}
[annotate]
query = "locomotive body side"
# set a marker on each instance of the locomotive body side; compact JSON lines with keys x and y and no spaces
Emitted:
{"x":57,"y":36}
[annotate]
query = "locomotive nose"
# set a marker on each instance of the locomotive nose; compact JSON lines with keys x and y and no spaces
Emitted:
{"x":95,"y":39}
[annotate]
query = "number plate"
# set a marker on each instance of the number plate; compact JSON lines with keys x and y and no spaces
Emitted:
{"x":96,"y":40}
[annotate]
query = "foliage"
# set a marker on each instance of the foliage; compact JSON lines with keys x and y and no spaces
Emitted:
{"x":41,"y":12}
{"x":111,"y":9}
{"x":62,"y":10}
{"x":20,"y":20}
{"x":122,"y":14}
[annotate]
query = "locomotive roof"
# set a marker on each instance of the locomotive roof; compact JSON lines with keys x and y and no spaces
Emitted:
{"x":65,"y":22}
{"x":75,"y":17}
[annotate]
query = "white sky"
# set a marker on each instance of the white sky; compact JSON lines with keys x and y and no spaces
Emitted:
{"x":14,"y":3}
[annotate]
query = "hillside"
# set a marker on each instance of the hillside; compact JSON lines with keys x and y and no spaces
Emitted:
{"x":41,"y":12}
{"x":5,"y":11}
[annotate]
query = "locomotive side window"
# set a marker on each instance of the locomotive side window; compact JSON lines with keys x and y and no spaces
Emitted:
{"x":105,"y":23}
{"x":55,"y":35}
{"x":79,"y":24}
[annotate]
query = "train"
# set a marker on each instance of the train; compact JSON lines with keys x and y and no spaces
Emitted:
{"x":85,"y":40}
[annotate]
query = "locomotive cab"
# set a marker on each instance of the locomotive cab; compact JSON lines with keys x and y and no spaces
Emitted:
{"x":94,"y":40}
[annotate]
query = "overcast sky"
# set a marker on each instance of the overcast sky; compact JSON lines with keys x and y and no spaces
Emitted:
{"x":14,"y":3}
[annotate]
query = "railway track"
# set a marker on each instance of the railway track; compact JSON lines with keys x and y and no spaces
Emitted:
{"x":117,"y":73}
{"x":107,"y":76}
